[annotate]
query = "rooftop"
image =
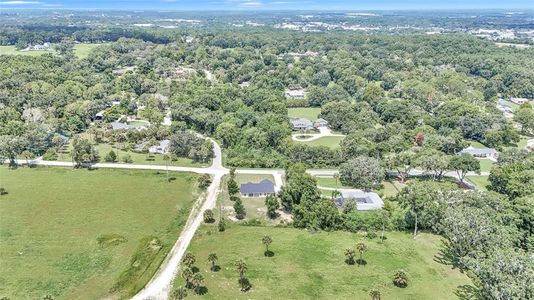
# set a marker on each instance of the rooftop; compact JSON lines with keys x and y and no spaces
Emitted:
{"x":364,"y":200}
{"x":479,"y":151}
{"x":264,"y":186}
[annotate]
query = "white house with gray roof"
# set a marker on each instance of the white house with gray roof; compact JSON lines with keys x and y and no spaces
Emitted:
{"x":301,"y":124}
{"x":488,"y":153}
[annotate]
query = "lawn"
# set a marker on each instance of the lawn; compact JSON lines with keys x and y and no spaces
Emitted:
{"x":310,"y":113}
{"x":329,"y":141}
{"x":80,"y":50}
{"x":140,"y":158}
{"x":51,"y":218}
{"x":477,"y":145}
{"x":330,"y":182}
{"x":311,"y":265}
{"x":486,"y":165}
{"x":480,"y":182}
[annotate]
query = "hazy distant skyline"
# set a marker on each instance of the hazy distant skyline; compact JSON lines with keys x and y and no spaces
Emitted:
{"x":267,"y":4}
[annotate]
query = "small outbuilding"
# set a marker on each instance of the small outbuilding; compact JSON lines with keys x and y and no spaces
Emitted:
{"x":261,"y":189}
{"x":161,"y":148}
{"x":295,"y":94}
{"x":320,"y":123}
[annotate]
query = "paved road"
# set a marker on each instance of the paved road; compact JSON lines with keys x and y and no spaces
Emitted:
{"x":323,"y":132}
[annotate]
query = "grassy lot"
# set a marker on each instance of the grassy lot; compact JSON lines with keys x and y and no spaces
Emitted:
{"x":310,"y":113}
{"x":311,"y":265}
{"x":80,"y":50}
{"x":139,"y":158}
{"x":330,"y":182}
{"x":329,"y":141}
{"x":391,"y":188}
{"x":52,"y":217}
{"x":255,"y":207}
{"x":480,"y":182}
{"x":477,"y":145}
{"x":486,"y":165}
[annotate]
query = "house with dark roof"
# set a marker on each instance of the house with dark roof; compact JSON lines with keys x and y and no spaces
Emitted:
{"x":261,"y":189}
{"x":320,"y":123}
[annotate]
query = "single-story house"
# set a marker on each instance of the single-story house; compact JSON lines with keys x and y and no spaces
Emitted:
{"x":364,"y":200}
{"x":489,"y":153}
{"x":320,"y":123}
{"x":301,"y":124}
{"x":503,"y":108}
{"x":530,"y":145}
{"x":244,"y":84}
{"x":161,"y":148}
{"x":296,"y":94}
{"x":261,"y":189}
{"x":519,"y":101}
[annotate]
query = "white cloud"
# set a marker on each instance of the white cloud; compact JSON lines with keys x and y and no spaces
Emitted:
{"x":20,"y":2}
{"x":251,"y":3}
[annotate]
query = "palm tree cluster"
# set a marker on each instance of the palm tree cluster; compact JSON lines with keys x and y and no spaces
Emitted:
{"x":241,"y":267}
{"x":400,"y":279}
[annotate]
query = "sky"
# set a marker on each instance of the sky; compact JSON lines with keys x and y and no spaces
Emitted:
{"x":267,"y":4}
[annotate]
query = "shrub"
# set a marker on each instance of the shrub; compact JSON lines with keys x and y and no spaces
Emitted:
{"x":111,"y":156}
{"x":371,"y":234}
{"x":222,"y":225}
{"x":400,"y":279}
{"x":239,"y":209}
{"x":50,"y":154}
{"x":209,"y":217}
{"x":127,"y":159}
{"x":204,"y":181}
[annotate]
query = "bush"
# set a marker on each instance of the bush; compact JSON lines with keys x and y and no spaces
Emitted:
{"x":127,"y":159}
{"x":204,"y":181}
{"x":209,"y":217}
{"x":400,"y":279}
{"x":371,"y":234}
{"x":111,"y":156}
{"x":221,"y":225}
{"x":239,"y":209}
{"x":50,"y":154}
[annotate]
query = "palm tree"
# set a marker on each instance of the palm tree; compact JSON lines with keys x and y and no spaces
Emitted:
{"x":179,"y":293}
{"x":400,"y":279}
{"x":212,"y":258}
{"x":189,"y":259}
{"x":266,"y":240}
{"x":197,"y":281}
{"x":187,"y":274}
{"x":361,"y":247}
{"x":375,"y":294}
{"x":349,"y":253}
{"x":241,"y":268}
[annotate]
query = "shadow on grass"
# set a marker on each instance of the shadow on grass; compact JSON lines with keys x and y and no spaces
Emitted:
{"x":201,"y":290}
{"x":466,"y":292}
{"x":350,"y":261}
{"x":194,"y":269}
{"x":268,"y":253}
{"x":171,"y":179}
{"x":446,"y":257}
{"x":215,"y":269}
{"x":361,"y":262}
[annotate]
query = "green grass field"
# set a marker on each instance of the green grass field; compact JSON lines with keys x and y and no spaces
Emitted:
{"x":139,"y":158}
{"x":480,"y":182}
{"x":310,"y":113}
{"x":311,"y":265}
{"x":329,"y":141}
{"x":486,"y":165}
{"x":51,"y":218}
{"x":330,"y":182}
{"x":255,"y":207}
{"x":80,"y":50}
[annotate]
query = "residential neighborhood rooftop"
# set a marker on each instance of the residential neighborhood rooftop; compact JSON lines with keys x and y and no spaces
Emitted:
{"x":264,"y":186}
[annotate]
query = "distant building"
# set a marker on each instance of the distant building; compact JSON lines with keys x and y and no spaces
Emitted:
{"x":503,"y":108}
{"x":99,"y":116}
{"x":320,"y":123}
{"x":301,"y":124}
{"x":124,"y":70}
{"x":530,"y":145}
{"x":296,"y":94}
{"x":489,"y":153}
{"x":244,"y":84}
{"x":519,"y":101}
{"x":261,"y":189}
{"x":364,"y":200}
{"x":161,"y":148}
